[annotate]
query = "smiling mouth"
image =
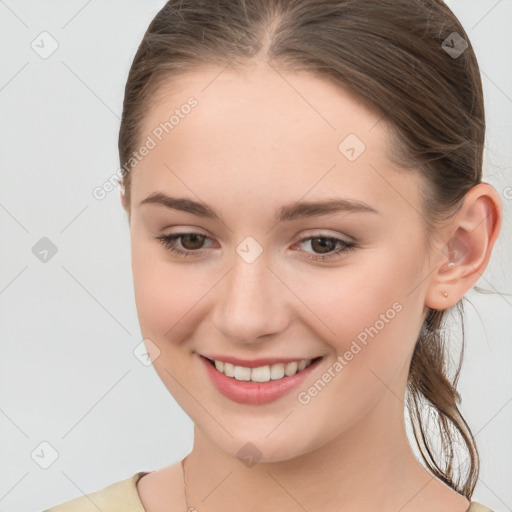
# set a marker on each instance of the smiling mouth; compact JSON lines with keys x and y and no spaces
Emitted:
{"x":262,"y":373}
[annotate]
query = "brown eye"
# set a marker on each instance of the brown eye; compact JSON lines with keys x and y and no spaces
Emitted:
{"x":323,"y":245}
{"x":192,"y":241}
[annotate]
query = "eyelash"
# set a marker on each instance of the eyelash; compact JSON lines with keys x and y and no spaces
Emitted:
{"x":169,"y":242}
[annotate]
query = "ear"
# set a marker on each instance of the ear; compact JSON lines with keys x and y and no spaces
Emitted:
{"x":124,"y":202}
{"x":466,"y":247}
{"x":122,"y":196}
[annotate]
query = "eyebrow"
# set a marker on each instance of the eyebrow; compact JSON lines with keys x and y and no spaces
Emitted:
{"x":286,"y":213}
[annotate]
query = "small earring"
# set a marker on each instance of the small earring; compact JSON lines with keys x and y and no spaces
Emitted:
{"x":451,"y":264}
{"x":445,"y":294}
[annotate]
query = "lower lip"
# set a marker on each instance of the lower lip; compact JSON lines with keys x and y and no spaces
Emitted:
{"x":256,"y":393}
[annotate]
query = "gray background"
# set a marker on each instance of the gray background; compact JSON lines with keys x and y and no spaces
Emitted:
{"x":68,"y":374}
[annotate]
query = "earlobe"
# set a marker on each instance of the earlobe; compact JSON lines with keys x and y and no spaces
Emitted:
{"x":122,"y":197}
{"x":470,"y":239}
{"x":124,"y":203}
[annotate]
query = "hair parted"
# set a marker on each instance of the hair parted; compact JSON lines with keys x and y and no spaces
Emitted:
{"x":389,"y":54}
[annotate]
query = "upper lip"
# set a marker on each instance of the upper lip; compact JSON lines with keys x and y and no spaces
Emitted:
{"x":255,"y":363}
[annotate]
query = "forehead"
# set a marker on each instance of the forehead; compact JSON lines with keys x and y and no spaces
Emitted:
{"x":275,"y":135}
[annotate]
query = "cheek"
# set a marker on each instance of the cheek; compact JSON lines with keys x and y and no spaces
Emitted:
{"x":348,"y":299}
{"x":172,"y":299}
{"x":364,"y":311}
{"x":168,"y":296}
{"x":363,"y":302}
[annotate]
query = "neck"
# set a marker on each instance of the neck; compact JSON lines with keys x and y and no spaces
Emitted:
{"x":370,"y":465}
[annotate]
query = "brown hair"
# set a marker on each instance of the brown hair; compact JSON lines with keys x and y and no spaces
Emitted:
{"x":389,"y":54}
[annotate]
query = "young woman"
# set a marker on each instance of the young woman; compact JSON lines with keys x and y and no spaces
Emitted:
{"x":303,"y":185}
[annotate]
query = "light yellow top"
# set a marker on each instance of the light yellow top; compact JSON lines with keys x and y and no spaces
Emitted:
{"x":122,"y":496}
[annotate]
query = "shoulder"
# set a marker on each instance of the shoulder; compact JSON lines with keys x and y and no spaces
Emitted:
{"x":477,"y":507}
{"x":120,"y":496}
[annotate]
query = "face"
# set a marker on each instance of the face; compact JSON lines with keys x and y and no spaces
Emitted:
{"x":343,"y":285}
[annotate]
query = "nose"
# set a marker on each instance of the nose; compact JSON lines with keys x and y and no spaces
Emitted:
{"x":252,"y":302}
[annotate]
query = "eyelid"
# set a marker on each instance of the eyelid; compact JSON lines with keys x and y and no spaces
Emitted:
{"x":318,"y":233}
{"x":188,"y":229}
{"x":324,"y":233}
{"x":169,"y":241}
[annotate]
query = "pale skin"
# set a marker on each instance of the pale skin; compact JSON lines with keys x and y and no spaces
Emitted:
{"x":250,"y":146}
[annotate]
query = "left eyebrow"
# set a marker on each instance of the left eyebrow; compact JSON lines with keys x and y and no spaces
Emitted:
{"x":302,"y":210}
{"x":286,"y":213}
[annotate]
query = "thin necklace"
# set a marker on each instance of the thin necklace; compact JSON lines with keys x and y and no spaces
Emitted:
{"x":185,"y":483}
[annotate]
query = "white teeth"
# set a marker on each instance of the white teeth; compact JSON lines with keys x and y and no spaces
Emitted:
{"x":229,"y":369}
{"x":262,"y":373}
{"x":242,"y":373}
{"x":290,"y":369}
{"x":277,"y":371}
